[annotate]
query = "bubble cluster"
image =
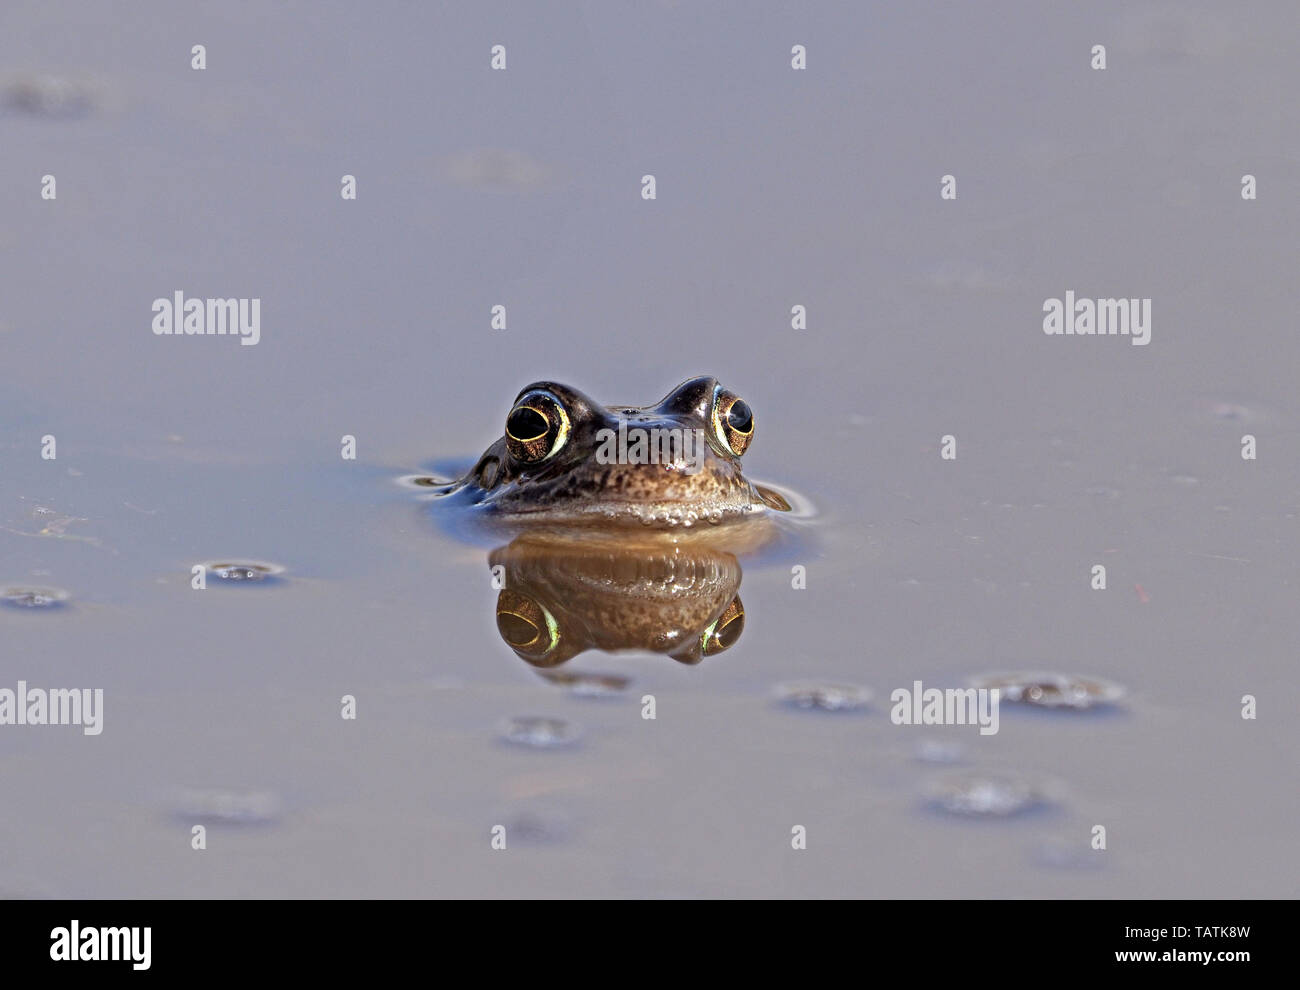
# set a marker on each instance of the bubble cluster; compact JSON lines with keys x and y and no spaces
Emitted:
{"x":49,"y":96}
{"x":242,"y":571}
{"x":1048,"y":690}
{"x":22,"y":596}
{"x":823,"y":695}
{"x":228,"y":807}
{"x":539,"y":826}
{"x":540,"y":733}
{"x":985,"y":795}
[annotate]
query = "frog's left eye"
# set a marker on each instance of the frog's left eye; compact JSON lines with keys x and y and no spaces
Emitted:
{"x":733,"y":421}
{"x":537,"y":427}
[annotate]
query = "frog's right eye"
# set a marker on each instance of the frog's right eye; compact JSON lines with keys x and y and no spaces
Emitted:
{"x":536,"y":428}
{"x":733,"y":421}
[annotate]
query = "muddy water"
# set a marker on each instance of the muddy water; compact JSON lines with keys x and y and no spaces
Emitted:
{"x":222,"y":707}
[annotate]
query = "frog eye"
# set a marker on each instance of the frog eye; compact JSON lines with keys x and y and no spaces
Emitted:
{"x":526,"y":626}
{"x":733,"y":421}
{"x":724,"y":630}
{"x":537,"y":427}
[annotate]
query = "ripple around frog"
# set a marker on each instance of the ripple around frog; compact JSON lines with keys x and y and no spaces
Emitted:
{"x":674,"y":464}
{"x":782,"y":529}
{"x":619,"y":552}
{"x":570,"y":587}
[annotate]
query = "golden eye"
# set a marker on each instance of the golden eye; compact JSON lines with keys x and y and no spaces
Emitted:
{"x":526,"y":625}
{"x":724,"y":630}
{"x":733,"y":421}
{"x":536,"y":428}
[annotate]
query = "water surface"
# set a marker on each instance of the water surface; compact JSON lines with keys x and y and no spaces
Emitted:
{"x":776,"y":188}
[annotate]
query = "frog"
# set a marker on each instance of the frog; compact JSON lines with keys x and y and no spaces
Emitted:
{"x":566,"y":459}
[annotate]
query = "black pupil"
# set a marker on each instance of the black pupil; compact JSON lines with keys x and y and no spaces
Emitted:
{"x":526,"y":424}
{"x":740,"y":418}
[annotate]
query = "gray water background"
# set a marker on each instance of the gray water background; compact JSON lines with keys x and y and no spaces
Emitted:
{"x":775,"y":187}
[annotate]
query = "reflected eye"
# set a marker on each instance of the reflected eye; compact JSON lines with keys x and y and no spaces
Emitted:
{"x":536,"y":428}
{"x":526,"y":626}
{"x":733,"y":421}
{"x":725,"y":630}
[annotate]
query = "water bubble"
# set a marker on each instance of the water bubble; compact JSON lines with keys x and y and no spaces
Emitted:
{"x":539,"y":827}
{"x":1231,"y":412}
{"x":589,"y":685}
{"x":243,"y":571}
{"x":540,"y":733}
{"x":50,"y":96}
{"x":1104,"y":492}
{"x":21,"y":596}
{"x":1047,"y":690}
{"x":985,"y":795}
{"x":823,"y":695}
{"x":228,"y":807}
{"x":938,"y":751}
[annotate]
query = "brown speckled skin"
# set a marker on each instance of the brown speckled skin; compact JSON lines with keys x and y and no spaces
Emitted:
{"x":574,"y":487}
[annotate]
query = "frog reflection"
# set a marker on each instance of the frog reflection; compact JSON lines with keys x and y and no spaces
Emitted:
{"x":560,"y":597}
